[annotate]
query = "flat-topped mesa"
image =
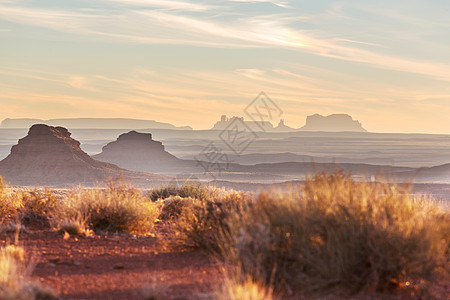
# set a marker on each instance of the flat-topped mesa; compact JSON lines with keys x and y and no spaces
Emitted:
{"x":332,"y":123}
{"x":136,"y":141}
{"x":137,"y":151}
{"x":50,"y":156}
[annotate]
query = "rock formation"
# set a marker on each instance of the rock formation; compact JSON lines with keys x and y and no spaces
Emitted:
{"x":332,"y":123}
{"x":138,"y":152}
{"x":241,"y":124}
{"x":281,"y":127}
{"x":49,"y":156}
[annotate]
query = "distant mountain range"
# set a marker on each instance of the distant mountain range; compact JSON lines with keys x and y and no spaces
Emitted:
{"x":316,"y":122}
{"x":92,"y":123}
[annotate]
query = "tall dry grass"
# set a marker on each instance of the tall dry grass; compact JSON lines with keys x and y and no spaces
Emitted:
{"x":9,"y":202}
{"x":332,"y":235}
{"x":117,"y":208}
{"x":338,"y":234}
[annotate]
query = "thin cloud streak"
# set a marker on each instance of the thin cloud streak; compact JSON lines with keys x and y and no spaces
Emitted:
{"x":163,"y":27}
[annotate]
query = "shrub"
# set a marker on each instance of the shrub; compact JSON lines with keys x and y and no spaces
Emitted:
{"x":37,"y":206}
{"x":172,"y":207}
{"x":336,"y":233}
{"x":202,"y":220}
{"x":14,"y":277}
{"x":118,"y":208}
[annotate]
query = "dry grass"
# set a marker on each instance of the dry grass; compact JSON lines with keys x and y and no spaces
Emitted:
{"x":234,"y":288}
{"x":202,"y":220}
{"x":337,"y":235}
{"x":37,"y":206}
{"x":74,"y":225}
{"x":187,"y":190}
{"x":118,"y":208}
{"x":9,"y":202}
{"x":333,"y":235}
{"x":14,"y":277}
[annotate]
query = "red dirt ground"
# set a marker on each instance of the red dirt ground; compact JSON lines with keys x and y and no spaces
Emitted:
{"x":128,"y":267}
{"x":117,"y":267}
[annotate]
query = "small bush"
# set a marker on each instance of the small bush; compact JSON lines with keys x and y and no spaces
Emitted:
{"x":336,"y":233}
{"x":172,"y":207}
{"x":14,"y":278}
{"x":37,"y":207}
{"x":118,"y":208}
{"x":202,"y":220}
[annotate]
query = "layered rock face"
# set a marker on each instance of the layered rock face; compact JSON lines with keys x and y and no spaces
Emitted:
{"x":49,"y":156}
{"x":332,"y":123}
{"x":138,"y":152}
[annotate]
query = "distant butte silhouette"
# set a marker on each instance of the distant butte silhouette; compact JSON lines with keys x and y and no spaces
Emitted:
{"x":316,"y":122}
{"x":139,"y":152}
{"x":332,"y":123}
{"x":49,"y":156}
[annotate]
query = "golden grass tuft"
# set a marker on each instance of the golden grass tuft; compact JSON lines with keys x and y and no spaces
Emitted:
{"x":247,"y":289}
{"x":10,"y":202}
{"x":118,"y":208}
{"x":14,"y":277}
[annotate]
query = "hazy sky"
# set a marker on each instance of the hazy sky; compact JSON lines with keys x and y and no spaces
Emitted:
{"x":386,"y":63}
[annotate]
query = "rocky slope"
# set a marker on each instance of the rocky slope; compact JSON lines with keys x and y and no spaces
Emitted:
{"x":49,"y":156}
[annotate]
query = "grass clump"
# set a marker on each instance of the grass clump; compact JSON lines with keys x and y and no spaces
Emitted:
{"x":118,"y":208}
{"x":202,"y":220}
{"x":9,"y":202}
{"x":14,"y":277}
{"x":37,"y":207}
{"x":246,"y":289}
{"x":338,"y":234}
{"x":187,"y":190}
{"x":74,"y":225}
{"x":172,"y":207}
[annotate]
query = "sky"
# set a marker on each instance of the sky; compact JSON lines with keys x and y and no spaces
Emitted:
{"x":386,"y":63}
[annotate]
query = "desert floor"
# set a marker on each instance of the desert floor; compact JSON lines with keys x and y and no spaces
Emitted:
{"x":130,"y":267}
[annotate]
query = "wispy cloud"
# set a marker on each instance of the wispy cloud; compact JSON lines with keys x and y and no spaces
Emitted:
{"x":166,"y":4}
{"x":181,"y":95}
{"x":155,"y":26}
